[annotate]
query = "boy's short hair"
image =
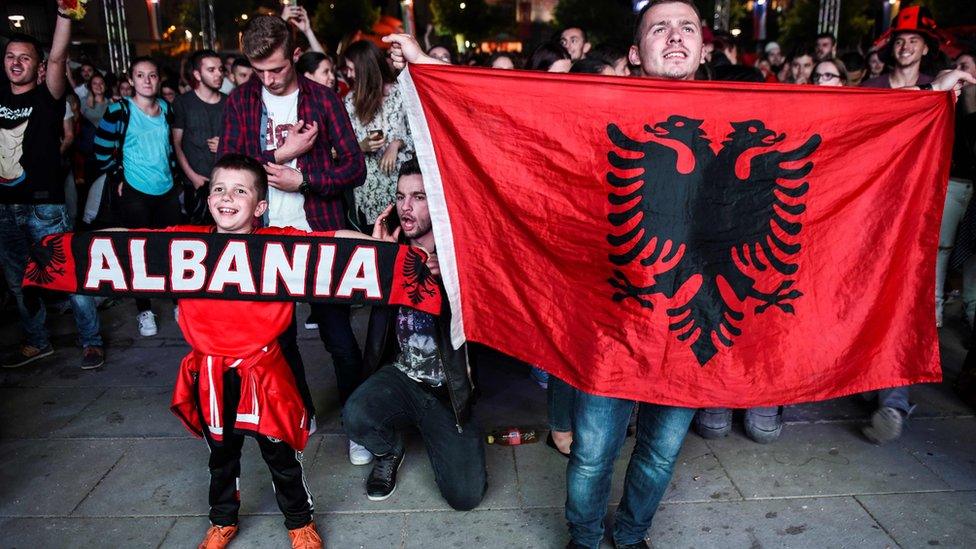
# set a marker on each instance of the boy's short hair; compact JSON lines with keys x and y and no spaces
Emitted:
{"x":410,"y":167}
{"x":243,"y":163}
{"x":241,"y":62}
{"x":264,"y":35}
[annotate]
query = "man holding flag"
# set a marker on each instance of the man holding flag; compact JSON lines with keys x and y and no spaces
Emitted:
{"x":667,"y":45}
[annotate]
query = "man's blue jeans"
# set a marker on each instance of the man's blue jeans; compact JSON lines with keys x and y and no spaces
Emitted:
{"x":599,"y":430}
{"x":21,"y":226}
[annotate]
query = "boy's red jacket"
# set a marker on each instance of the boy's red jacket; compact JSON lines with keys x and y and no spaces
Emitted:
{"x":270,"y":404}
{"x":241,"y":335}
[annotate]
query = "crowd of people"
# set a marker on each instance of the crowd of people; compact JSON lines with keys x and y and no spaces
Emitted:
{"x":285,"y":135}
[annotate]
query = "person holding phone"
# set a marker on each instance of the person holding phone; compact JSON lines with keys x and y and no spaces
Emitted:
{"x":375,"y":107}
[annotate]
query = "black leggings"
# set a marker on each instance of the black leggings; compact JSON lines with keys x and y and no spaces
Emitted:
{"x":145,"y":211}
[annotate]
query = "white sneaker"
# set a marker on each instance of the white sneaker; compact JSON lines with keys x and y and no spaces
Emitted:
{"x":147,"y":323}
{"x":359,"y":455}
{"x":886,"y":425}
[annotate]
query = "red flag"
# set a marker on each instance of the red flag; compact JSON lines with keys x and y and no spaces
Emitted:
{"x":688,"y":243}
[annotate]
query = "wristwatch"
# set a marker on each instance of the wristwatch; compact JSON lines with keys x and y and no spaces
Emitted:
{"x":304,"y":188}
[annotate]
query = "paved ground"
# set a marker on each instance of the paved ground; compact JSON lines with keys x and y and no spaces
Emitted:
{"x":94,"y":459}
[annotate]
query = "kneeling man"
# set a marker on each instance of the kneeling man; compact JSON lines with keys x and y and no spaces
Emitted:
{"x":419,"y":379}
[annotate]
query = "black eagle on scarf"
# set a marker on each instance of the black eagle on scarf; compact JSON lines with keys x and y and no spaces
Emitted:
{"x":418,"y":280}
{"x":697,"y":224}
{"x":47,"y":259}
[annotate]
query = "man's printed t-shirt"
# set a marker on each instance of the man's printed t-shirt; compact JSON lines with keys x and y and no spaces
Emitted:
{"x":418,"y":357}
{"x":30,"y":136}
{"x":285,"y":209}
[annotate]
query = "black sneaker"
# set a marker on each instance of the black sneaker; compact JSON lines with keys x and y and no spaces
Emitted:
{"x":639,"y":545}
{"x":92,"y":357}
{"x":25,"y":355}
{"x":382,"y":480}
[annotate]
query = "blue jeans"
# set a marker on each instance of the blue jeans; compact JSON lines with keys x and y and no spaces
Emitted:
{"x":957,"y":199}
{"x":560,"y":399}
{"x":21,"y":226}
{"x":600,"y":427}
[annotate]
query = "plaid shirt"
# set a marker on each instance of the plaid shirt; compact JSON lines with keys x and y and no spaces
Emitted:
{"x":328,"y":178}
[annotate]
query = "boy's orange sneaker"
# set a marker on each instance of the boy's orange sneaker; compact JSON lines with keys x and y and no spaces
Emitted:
{"x":218,"y":537}
{"x":306,"y":537}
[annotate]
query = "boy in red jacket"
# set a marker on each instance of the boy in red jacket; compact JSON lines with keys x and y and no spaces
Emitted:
{"x":236,"y":380}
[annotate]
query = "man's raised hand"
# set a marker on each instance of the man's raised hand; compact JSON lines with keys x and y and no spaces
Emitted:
{"x":404,"y":49}
{"x":952,"y":80}
{"x":381,"y":230}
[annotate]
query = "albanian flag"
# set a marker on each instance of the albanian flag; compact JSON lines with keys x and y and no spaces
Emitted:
{"x":292,"y":266}
{"x":688,"y":243}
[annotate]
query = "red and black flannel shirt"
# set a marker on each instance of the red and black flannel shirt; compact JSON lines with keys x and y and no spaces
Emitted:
{"x":328,"y":178}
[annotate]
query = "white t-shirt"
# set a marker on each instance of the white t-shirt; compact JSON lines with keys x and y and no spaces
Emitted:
{"x":81,"y":91}
{"x":226,"y":86}
{"x":285,"y":209}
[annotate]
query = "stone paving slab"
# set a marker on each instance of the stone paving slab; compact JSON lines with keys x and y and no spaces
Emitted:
{"x":926,"y":520}
{"x":792,"y":523}
{"x":820,"y":460}
{"x":369,"y":531}
{"x":50,"y":477}
{"x":339,"y":486}
{"x":37,"y":412}
{"x":129,"y":411}
{"x":129,"y":367}
{"x":170,"y":477}
{"x":83,"y":533}
{"x":946,"y":447}
{"x":529,"y":528}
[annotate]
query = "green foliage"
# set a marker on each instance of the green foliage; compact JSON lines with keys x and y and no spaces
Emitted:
{"x":333,"y":20}
{"x":799,"y":23}
{"x":186,"y":15}
{"x":477,"y":21}
{"x":605,"y":21}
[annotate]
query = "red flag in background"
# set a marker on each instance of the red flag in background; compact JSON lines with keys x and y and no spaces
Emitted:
{"x":688,"y":243}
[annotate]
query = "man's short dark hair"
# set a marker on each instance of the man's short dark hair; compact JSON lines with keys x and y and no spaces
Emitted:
{"x":243,"y":163}
{"x":264,"y":35}
{"x":410,"y":167}
{"x":559,"y":35}
{"x":853,"y":61}
{"x":607,"y":53}
{"x":545,"y":56}
{"x":196,"y":60}
{"x":723,"y":41}
{"x":833,"y":39}
{"x":589,"y":65}
{"x":240,"y":62}
{"x":20,"y":38}
{"x":653,"y":3}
